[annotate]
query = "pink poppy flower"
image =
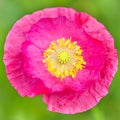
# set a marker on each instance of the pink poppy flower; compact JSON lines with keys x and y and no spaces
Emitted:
{"x":66,"y":56}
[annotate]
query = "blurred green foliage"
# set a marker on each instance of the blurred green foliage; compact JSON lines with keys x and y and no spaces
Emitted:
{"x":14,"y":107}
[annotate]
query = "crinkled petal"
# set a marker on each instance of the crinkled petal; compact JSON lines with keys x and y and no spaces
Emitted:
{"x":51,"y":29}
{"x":23,"y":83}
{"x":70,"y":102}
{"x":13,"y":55}
{"x":96,"y":30}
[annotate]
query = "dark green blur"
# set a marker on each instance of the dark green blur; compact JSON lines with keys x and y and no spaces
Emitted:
{"x":14,"y":107}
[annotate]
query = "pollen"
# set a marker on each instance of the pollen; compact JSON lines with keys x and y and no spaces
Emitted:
{"x":63,"y":58}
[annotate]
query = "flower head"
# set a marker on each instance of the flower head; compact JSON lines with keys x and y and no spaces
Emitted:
{"x":66,"y":56}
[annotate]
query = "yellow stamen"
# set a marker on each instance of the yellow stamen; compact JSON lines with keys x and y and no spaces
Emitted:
{"x":63,"y":58}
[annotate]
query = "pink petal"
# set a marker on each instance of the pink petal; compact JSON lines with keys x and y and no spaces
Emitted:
{"x":51,"y":29}
{"x":70,"y":102}
{"x":13,"y":57}
{"x":97,"y":31}
{"x":23,"y":83}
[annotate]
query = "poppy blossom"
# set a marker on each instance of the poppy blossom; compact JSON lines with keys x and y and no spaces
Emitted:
{"x":64,"y":55}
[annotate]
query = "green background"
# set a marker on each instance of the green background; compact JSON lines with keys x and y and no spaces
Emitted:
{"x":14,"y":107}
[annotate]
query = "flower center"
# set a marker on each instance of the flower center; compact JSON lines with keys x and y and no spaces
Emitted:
{"x":63,"y":58}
